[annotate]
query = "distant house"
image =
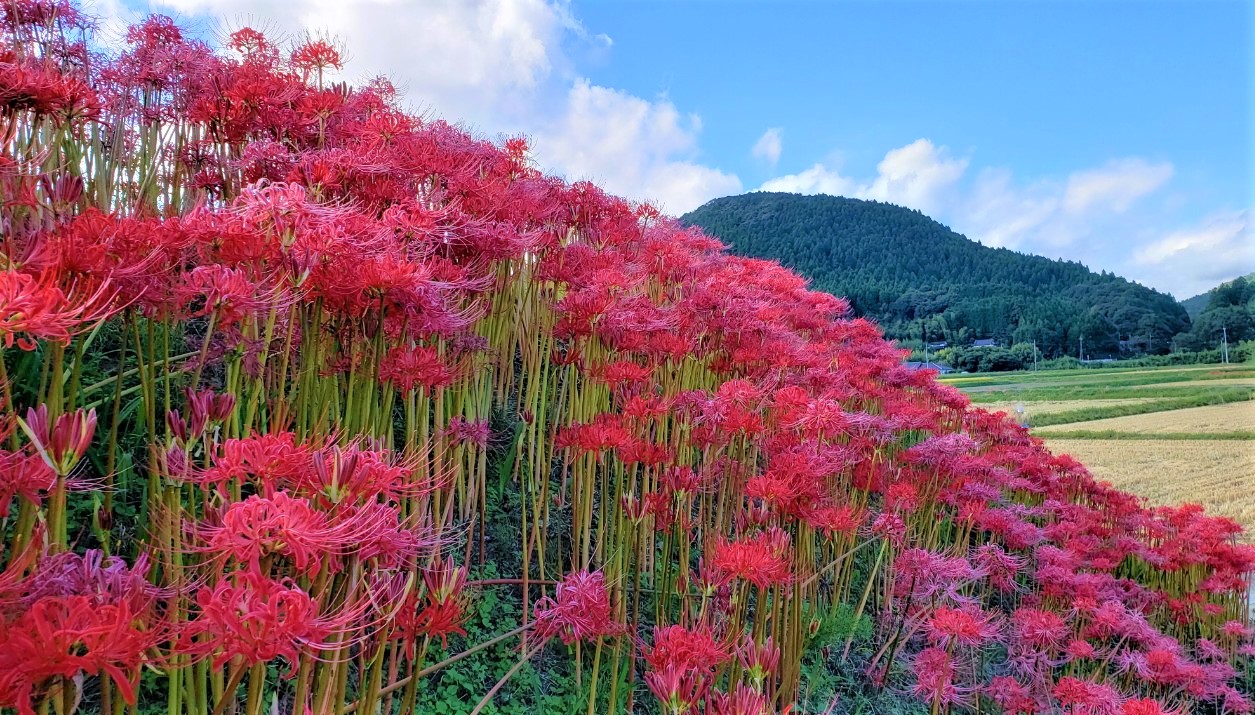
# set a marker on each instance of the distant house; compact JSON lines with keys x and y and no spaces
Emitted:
{"x":938,"y":345}
{"x":986,"y":343}
{"x":930,"y":365}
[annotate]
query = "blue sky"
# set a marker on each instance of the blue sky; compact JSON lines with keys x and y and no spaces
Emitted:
{"x":1112,"y":132}
{"x":1039,"y":87}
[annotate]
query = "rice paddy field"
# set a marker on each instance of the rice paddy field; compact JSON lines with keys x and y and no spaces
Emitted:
{"x":1172,"y":435}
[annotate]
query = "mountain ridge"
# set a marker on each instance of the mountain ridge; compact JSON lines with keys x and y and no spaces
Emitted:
{"x":1195,"y":305}
{"x":918,"y":278}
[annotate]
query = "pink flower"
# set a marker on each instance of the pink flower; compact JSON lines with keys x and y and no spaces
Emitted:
{"x":64,"y":442}
{"x":580,"y":610}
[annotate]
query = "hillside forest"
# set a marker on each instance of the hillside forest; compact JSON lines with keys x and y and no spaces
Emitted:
{"x":926,"y":284}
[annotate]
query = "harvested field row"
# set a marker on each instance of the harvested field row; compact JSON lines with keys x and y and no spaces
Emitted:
{"x":1231,"y":417}
{"x":1033,"y":408}
{"x":1218,"y":474}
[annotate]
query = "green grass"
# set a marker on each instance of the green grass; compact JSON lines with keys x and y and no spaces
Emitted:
{"x":1106,"y":376}
{"x":1204,"y":399}
{"x":1189,"y":397}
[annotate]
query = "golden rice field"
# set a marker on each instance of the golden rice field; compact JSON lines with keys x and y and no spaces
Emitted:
{"x":1047,"y":407}
{"x":1219,"y":474}
{"x":1185,"y":465}
{"x":1233,"y":417}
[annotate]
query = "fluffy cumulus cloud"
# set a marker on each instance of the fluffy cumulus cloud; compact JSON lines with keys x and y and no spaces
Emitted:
{"x":502,"y":67}
{"x":818,"y":179}
{"x":769,"y":146}
{"x":919,"y":175}
{"x":632,"y":146}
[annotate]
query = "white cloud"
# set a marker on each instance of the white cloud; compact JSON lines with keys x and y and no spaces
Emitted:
{"x":1067,"y":217}
{"x":476,"y":60}
{"x":1087,"y":215}
{"x":632,"y":146}
{"x":918,"y":175}
{"x":818,"y":179}
{"x":769,"y":146}
{"x":1191,"y":260}
{"x":1115,"y":185}
{"x":998,"y":213}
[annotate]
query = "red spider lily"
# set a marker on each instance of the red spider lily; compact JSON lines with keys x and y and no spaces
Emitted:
{"x":228,"y":294}
{"x":268,"y":459}
{"x":255,"y":618}
{"x":62,"y":443}
{"x":761,"y":662}
{"x":36,"y":308}
{"x":352,"y":474}
{"x":764,"y":560}
{"x":315,"y":55}
{"x":623,"y":372}
{"x":890,"y":527}
{"x":934,"y":678}
{"x":280,"y":525}
{"x":684,"y":648}
{"x":1077,"y":649}
{"x":43,"y":90}
{"x":742,"y":701}
{"x":1011,"y":696}
{"x":1037,"y":629}
{"x":344,"y":254}
{"x":1147,"y":706}
{"x":1235,"y":629}
{"x":25,"y":475}
{"x":1000,"y":568}
{"x":605,"y":432}
{"x":32,"y":309}
{"x":463,"y":431}
{"x":964,"y":627}
{"x":440,"y":612}
{"x":924,"y":576}
{"x":414,"y":368}
{"x":837,"y":520}
{"x":580,"y":610}
{"x":204,"y":408}
{"x":67,"y":636}
{"x":1082,"y":697}
{"x":646,"y":453}
{"x":105,"y":580}
{"x":679,"y":690}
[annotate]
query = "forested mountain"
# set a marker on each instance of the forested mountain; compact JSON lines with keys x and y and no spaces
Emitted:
{"x":919,"y":278}
{"x":1196,"y":305}
{"x":1227,"y":312}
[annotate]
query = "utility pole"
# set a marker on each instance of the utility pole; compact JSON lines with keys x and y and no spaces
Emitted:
{"x":1080,"y":351}
{"x":924,"y":326}
{"x":1224,"y":346}
{"x":1034,"y":356}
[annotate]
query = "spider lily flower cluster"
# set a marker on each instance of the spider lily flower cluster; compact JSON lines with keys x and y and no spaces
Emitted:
{"x":272,"y":347}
